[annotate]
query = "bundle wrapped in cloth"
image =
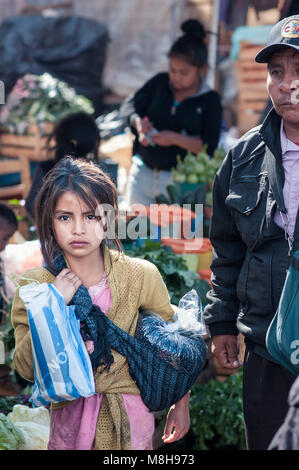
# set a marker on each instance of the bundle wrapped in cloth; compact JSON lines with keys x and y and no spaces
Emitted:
{"x":165,"y":358}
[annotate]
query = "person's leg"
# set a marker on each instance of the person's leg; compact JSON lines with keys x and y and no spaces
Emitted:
{"x":144,"y":184}
{"x":140,"y":185}
{"x":161,"y":180}
{"x":266,"y":386}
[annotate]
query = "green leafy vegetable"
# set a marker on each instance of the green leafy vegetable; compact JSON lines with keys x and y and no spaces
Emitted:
{"x":39,"y":99}
{"x":198,"y":168}
{"x":216,"y":410}
{"x":173,"y":269}
{"x":11,"y":438}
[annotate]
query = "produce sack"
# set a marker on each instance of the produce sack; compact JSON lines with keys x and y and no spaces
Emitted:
{"x":62,"y":367}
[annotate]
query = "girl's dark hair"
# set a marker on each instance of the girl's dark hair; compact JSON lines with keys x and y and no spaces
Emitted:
{"x":76,"y":135}
{"x":87,"y":181}
{"x":191,"y":46}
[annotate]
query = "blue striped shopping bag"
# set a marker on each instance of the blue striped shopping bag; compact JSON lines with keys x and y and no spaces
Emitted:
{"x":62,"y":367}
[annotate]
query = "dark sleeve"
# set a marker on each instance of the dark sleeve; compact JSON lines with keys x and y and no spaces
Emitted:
{"x":228,"y":255}
{"x":212,"y":122}
{"x":137,"y":104}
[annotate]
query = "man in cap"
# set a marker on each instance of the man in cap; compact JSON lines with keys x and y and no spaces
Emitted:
{"x":253,"y":234}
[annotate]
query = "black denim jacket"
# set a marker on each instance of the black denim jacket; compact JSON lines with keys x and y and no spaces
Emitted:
{"x":250,"y":256}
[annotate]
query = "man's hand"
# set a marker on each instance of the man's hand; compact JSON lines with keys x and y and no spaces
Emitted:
{"x":226,"y":349}
{"x":67,"y":283}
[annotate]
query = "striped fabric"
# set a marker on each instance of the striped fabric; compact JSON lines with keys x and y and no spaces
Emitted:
{"x":62,"y":368}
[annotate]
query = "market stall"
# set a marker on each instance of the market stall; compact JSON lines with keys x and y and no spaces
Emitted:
{"x":48,"y":86}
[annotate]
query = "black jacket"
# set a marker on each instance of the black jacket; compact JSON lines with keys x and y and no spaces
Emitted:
{"x":199,"y":115}
{"x":250,"y":257}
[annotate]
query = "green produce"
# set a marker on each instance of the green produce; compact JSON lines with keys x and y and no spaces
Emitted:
{"x":39,"y":99}
{"x":198,"y":168}
{"x":34,"y":424}
{"x":216,"y":410}
{"x":192,"y":178}
{"x":173,"y":269}
{"x":11,"y":437}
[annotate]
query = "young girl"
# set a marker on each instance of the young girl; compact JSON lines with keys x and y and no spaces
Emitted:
{"x":69,"y":224}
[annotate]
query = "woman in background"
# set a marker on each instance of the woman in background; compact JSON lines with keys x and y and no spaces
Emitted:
{"x":173,"y":113}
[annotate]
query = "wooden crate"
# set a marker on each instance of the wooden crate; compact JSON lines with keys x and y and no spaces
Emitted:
{"x":252,"y":93}
{"x":31,"y":146}
{"x":16,"y":152}
{"x":16,"y":165}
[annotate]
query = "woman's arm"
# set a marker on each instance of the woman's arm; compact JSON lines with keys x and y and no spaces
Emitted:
{"x":167,"y":138}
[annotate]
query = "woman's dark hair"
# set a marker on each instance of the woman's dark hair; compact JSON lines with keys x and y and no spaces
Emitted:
{"x":88,"y":182}
{"x":191,"y":46}
{"x":77,"y":135}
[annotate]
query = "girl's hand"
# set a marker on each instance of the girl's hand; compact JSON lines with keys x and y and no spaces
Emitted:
{"x":67,"y":283}
{"x":178,"y":418}
{"x":164,"y":138}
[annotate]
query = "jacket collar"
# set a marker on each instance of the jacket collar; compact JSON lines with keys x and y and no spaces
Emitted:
{"x":270,"y":133}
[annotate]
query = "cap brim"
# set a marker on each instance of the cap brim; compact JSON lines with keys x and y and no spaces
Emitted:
{"x":264,"y":55}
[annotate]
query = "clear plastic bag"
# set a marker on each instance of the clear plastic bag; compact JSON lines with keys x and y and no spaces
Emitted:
{"x":188,"y":315}
{"x":181,"y":341}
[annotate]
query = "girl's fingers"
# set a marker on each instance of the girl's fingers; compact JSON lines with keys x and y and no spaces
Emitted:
{"x":63,"y":273}
{"x":72,"y":277}
{"x":78,"y":283}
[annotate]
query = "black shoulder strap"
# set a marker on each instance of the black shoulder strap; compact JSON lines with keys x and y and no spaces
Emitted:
{"x":273,"y":175}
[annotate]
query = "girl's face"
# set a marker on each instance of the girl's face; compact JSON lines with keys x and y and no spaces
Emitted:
{"x":184,"y":76}
{"x":78,"y":232}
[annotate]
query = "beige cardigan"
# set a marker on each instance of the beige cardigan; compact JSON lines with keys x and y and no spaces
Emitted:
{"x":134,"y":284}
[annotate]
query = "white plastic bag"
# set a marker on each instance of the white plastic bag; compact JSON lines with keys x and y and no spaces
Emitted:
{"x":62,"y":367}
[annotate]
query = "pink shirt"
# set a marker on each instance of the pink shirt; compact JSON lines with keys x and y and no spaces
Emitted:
{"x":73,"y":427}
{"x":290,"y":163}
